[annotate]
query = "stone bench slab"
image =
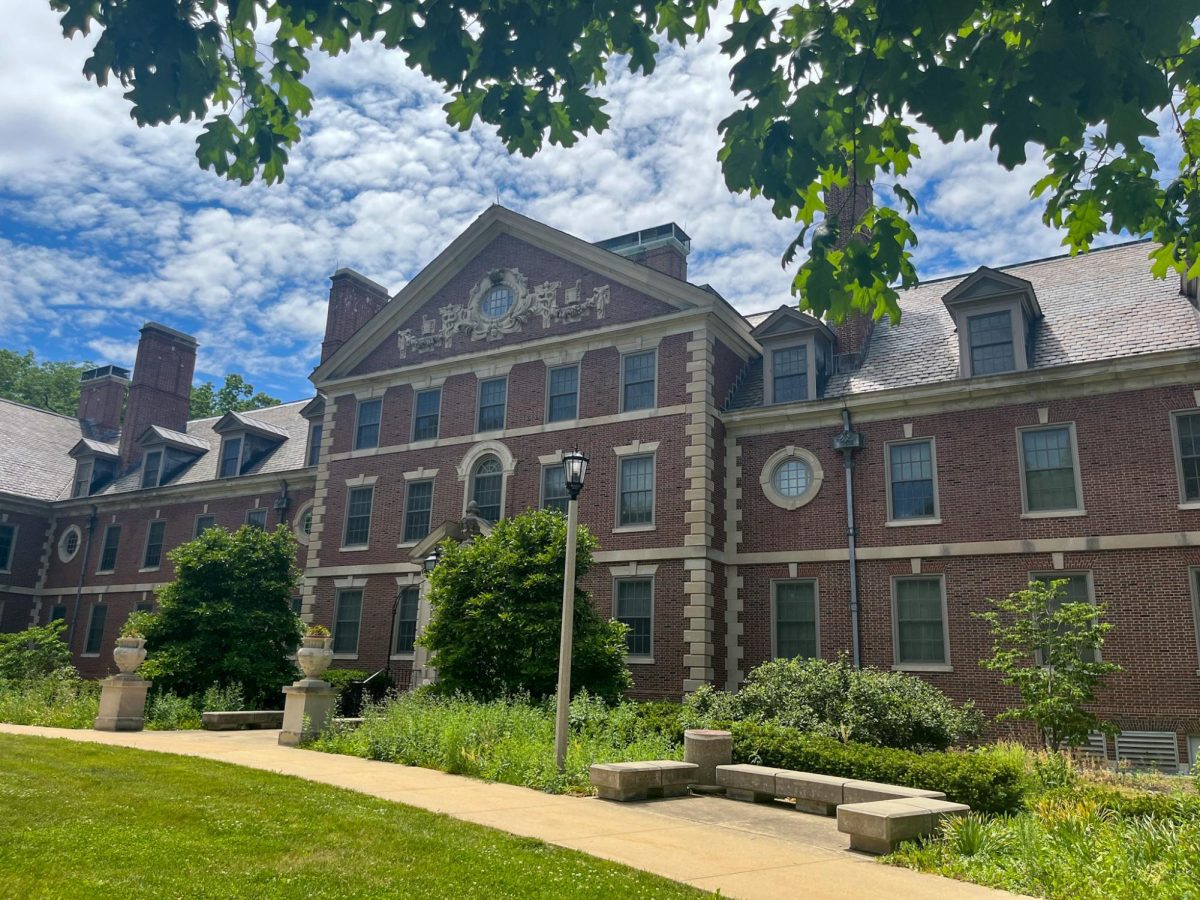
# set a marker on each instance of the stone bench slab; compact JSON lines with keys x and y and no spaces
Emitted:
{"x":753,"y":784}
{"x":869,"y":791}
{"x":881,"y":825}
{"x":813,"y":793}
{"x":248,"y":718}
{"x":642,"y":780}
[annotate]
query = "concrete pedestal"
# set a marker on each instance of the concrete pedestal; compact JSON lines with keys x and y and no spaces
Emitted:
{"x":122,"y":704}
{"x":707,"y":749}
{"x":307,"y":710}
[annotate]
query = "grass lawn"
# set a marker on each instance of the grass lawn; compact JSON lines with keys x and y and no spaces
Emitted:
{"x":85,"y":820}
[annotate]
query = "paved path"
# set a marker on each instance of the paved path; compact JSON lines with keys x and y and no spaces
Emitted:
{"x":744,"y":850}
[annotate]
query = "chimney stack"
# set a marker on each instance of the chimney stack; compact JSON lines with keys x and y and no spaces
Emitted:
{"x":353,"y":301}
{"x":101,"y":401}
{"x":848,"y":205}
{"x":664,"y":248}
{"x":161,"y":390}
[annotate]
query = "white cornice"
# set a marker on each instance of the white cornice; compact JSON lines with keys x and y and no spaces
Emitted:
{"x":206,"y":490}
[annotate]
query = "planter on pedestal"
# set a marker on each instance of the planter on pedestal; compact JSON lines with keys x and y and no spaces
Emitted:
{"x":309,"y":703}
{"x":123,"y":696}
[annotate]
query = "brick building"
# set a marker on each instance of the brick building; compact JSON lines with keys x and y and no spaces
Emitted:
{"x":1040,"y":420}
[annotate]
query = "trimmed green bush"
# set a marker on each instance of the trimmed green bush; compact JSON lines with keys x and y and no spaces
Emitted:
{"x":986,"y":781}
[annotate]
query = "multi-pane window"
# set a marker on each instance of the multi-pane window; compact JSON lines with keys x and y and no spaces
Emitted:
{"x":636,"y":502}
{"x":257,"y":518}
{"x":496,"y":302}
{"x":58,"y":614}
{"x":95,"y":632}
{"x":920,"y":621}
{"x":366,"y":429}
{"x":990,"y":338}
{"x":789,"y":374}
{"x":154,"y":544}
{"x":150,"y":468}
{"x":418,"y":510}
{"x":405,"y":638}
{"x":487,"y":484}
{"x":1187,"y":427}
{"x":358,"y":516}
{"x":554,"y":488}
{"x":638,"y":376}
{"x":634,"y":608}
{"x":795,"y":619}
{"x":910,"y":473}
{"x":493,"y":398}
{"x":427,"y":409}
{"x":1076,"y":590}
{"x":83,"y":479}
{"x":231,"y":455}
{"x":563,"y":390}
{"x":108,"y":552}
{"x":1049,"y":463}
{"x":203,"y":523}
{"x":347,"y":619}
{"x":8,"y":537}
{"x":314,"y":444}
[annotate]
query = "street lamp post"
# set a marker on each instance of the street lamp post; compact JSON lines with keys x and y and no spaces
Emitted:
{"x":574,"y":471}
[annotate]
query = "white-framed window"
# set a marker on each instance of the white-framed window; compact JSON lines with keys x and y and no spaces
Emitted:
{"x":315,"y":431}
{"x":257,"y":518}
{"x":347,"y":621}
{"x":94,"y":637}
{"x":562,"y":393}
{"x":366,"y":423}
{"x":493,"y":404}
{"x":155,"y":535}
{"x":791,"y":477}
{"x":635,"y":497}
{"x":203,"y":523}
{"x":405,"y":636}
{"x":359,"y":501}
{"x":1050,"y":479}
{"x":108,"y":549}
{"x":8,"y":543}
{"x":231,"y":457}
{"x":639,"y":380}
{"x":920,"y":631}
{"x":68,"y":544}
{"x":789,"y":374}
{"x":152,"y":468}
{"x":554,"y":488}
{"x":302,"y":524}
{"x":795,"y":619}
{"x":82,"y":486}
{"x":496,"y":303}
{"x":912,"y":481}
{"x":1186,"y":428}
{"x":487,"y":488}
{"x":990,"y":342}
{"x":418,"y":510}
{"x":633,"y":606}
{"x":1078,"y":589}
{"x":427,"y":412}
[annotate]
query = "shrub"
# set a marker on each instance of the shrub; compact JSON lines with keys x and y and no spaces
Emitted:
{"x":341,"y":679}
{"x":167,"y":711}
{"x":496,"y":613}
{"x":868,"y":706}
{"x":986,"y":781}
{"x":59,"y":700}
{"x":36,"y":652}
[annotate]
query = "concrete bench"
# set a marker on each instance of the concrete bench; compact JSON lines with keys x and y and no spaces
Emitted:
{"x":820,"y":794}
{"x":642,"y":780}
{"x":879,"y":826}
{"x":753,"y":784}
{"x":247,"y":718}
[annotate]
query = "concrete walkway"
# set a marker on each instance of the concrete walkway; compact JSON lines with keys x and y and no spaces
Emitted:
{"x":742,"y":849}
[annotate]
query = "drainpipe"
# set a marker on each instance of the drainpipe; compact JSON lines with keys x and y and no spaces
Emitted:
{"x":87,"y":547}
{"x":847,"y":443}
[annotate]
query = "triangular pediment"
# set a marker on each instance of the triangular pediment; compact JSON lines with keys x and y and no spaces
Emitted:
{"x":457,"y":530}
{"x":788,"y":320}
{"x":991,"y":284}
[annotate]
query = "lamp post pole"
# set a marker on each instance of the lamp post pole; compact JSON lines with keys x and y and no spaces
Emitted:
{"x":574,"y":470}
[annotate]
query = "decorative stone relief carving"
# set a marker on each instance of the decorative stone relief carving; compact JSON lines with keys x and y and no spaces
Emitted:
{"x":472,"y":318}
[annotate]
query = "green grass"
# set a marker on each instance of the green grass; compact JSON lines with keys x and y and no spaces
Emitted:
{"x":85,"y":820}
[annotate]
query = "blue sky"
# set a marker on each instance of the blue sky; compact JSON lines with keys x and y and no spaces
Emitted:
{"x":104,"y":225}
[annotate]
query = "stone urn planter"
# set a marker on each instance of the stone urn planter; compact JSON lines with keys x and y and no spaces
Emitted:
{"x":129,"y":653}
{"x":315,"y":655}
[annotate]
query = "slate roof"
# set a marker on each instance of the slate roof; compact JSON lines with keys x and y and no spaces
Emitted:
{"x":1100,"y":305}
{"x":168,"y":436}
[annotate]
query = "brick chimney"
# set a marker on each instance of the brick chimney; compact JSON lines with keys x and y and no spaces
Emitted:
{"x":101,"y":401}
{"x":664,"y":248}
{"x":161,"y":390}
{"x":353,"y":301}
{"x":847,"y":205}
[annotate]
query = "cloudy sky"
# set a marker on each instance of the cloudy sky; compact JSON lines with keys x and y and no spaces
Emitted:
{"x":104,"y":225}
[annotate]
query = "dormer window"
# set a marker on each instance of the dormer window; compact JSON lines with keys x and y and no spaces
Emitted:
{"x":990,"y":338}
{"x":231,"y":457}
{"x":83,"y":478}
{"x":245,"y":442}
{"x":95,"y":466}
{"x":151,"y":468}
{"x":789,"y":374}
{"x":994,"y":314}
{"x":797,"y":355}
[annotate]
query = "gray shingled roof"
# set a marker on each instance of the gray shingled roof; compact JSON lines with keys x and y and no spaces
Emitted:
{"x":33,"y":451}
{"x":1100,"y":305}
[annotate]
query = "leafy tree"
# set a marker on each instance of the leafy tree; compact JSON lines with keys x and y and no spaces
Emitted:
{"x":226,"y":619}
{"x":47,"y":385}
{"x":235,"y":395}
{"x":830,"y":90}
{"x":34,"y":653}
{"x":497,"y":608}
{"x":1049,"y":650}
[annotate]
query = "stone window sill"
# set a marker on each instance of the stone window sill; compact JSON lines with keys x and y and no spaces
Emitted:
{"x":1054,"y":514}
{"x":640,"y":660}
{"x":106,"y":572}
{"x":905,"y":523}
{"x":90,"y":655}
{"x":402,"y":657}
{"x":628,"y":529}
{"x":357,"y":548}
{"x":364,"y":451}
{"x":1190,"y":504}
{"x":150,"y":569}
{"x":408,"y":545}
{"x":922,"y":667}
{"x":345,"y":656}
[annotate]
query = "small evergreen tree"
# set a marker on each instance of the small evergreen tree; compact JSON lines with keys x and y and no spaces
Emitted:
{"x":1049,"y":650}
{"x":226,"y":619}
{"x":497,"y":608}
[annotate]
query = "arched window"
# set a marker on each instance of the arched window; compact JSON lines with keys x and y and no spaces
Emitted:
{"x":487,"y":483}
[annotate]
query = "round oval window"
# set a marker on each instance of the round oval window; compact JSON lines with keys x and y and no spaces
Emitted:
{"x":68,"y":544}
{"x":496,"y":302}
{"x":792,"y":477}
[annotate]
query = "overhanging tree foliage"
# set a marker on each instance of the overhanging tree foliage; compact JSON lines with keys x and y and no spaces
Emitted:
{"x":47,"y":384}
{"x":227,"y":619}
{"x":235,"y":395}
{"x":829,"y":90}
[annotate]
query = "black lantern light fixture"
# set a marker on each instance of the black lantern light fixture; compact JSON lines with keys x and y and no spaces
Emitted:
{"x":574,"y":471}
{"x":430,"y":562}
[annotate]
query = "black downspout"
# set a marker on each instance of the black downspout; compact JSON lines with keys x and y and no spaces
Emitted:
{"x":87,"y":547}
{"x":848,"y":442}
